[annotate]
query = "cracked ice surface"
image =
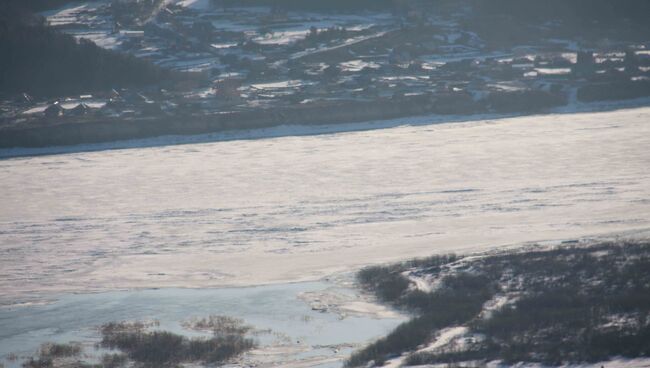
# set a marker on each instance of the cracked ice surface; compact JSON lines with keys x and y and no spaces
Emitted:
{"x":247,"y":212}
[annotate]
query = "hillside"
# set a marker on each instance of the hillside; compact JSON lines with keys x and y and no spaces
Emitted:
{"x":41,"y":61}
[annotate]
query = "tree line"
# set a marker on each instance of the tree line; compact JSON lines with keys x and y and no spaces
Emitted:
{"x":39,"y":60}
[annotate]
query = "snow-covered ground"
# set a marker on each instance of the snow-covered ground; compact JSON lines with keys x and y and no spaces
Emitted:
{"x":280,"y":85}
{"x":293,"y":208}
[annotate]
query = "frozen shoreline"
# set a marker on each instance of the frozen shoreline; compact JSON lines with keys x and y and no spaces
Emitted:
{"x":289,"y":330}
{"x":312,"y":129}
{"x":299,"y":324}
{"x":341,"y":275}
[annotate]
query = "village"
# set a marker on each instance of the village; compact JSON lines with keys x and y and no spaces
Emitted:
{"x":252,"y":59}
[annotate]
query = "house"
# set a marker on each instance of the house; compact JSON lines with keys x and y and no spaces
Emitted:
{"x":227,"y":89}
{"x":585,"y":64}
{"x":631,"y":62}
{"x":203,"y":30}
{"x":398,"y":57}
{"x":115,"y":104}
{"x":79,"y":110}
{"x":132,"y":33}
{"x":54,"y":110}
{"x":331,"y":72}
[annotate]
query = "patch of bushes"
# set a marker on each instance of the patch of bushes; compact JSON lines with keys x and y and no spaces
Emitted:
{"x":459,"y":300}
{"x":39,"y":363}
{"x":573,"y":304}
{"x":387,"y":283}
{"x":60,"y":350}
{"x":431,"y":264}
{"x":448,"y":357}
{"x":114,"y":360}
{"x":51,"y":351}
{"x":524,"y":101}
{"x":218,"y":325}
{"x":149,"y":349}
{"x":161,"y":348}
{"x":622,"y":90}
{"x":571,"y":296}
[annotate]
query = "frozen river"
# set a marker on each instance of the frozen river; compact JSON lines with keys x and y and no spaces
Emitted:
{"x":247,"y":212}
{"x":289,"y":332}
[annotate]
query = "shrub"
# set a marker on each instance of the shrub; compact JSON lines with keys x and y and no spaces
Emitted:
{"x":161,"y":348}
{"x":60,"y":350}
{"x":387,"y":283}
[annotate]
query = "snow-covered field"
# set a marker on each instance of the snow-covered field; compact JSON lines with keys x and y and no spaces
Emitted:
{"x":293,"y":208}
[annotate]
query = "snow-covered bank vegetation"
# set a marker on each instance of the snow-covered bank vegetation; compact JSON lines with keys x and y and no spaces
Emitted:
{"x":573,"y":303}
{"x":160,"y":348}
{"x":292,"y":325}
{"x":134,"y":343}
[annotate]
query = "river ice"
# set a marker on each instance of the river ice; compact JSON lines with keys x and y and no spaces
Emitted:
{"x":289,"y":332}
{"x":245,"y":212}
